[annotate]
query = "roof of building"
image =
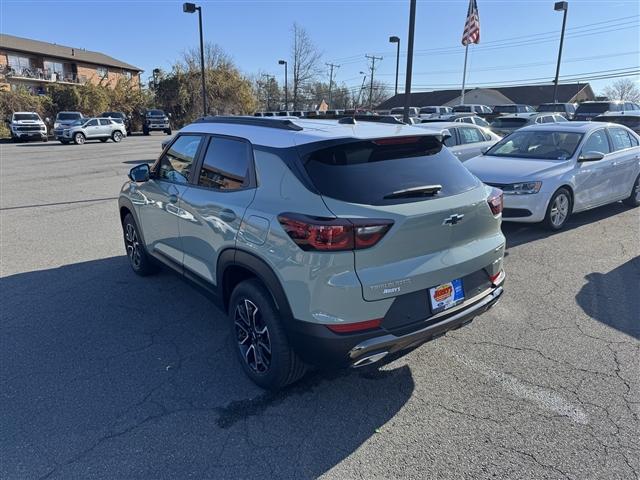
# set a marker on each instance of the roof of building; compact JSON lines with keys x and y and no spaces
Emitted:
{"x":526,"y":95}
{"x":46,"y":49}
{"x":310,"y":131}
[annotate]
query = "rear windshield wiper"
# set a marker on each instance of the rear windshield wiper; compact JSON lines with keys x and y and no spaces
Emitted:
{"x":415,"y":191}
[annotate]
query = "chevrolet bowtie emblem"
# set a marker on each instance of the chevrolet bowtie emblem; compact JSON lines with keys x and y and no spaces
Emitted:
{"x":453,"y":219}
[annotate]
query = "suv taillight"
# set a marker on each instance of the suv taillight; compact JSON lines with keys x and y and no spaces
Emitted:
{"x":495,"y":201}
{"x":333,"y":234}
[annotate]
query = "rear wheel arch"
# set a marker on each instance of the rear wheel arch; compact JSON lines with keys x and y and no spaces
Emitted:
{"x":235,"y":266}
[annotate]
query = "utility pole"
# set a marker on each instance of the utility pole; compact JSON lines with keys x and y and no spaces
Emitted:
{"x":407,"y":88}
{"x":364,"y":79}
{"x":268,"y":77}
{"x":373,"y":59}
{"x":332,"y":66}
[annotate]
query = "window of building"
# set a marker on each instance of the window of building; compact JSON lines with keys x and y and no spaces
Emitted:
{"x":51,"y":67}
{"x":102,"y":72}
{"x":126,"y":74}
{"x":18,"y":63}
{"x":226,"y":164}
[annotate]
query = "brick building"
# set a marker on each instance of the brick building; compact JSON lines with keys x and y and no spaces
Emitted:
{"x":34,"y":64}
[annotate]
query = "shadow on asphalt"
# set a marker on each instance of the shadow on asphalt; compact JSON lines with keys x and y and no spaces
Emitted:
{"x":103,"y":371}
{"x":520,"y":233}
{"x":613,"y":298}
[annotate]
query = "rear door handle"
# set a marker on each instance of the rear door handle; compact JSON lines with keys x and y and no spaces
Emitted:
{"x":227,"y":215}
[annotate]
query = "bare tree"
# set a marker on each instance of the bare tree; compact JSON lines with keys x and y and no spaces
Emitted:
{"x":214,"y":57}
{"x":305,"y":58}
{"x":623,"y":89}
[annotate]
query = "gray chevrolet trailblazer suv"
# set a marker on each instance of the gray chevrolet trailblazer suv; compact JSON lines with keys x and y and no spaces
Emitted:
{"x":330,"y":243}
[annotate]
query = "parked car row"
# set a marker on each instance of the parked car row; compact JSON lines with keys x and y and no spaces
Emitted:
{"x":404,"y":239}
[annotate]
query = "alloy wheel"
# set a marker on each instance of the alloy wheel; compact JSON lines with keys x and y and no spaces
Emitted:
{"x":559,"y":210}
{"x":133,"y":245}
{"x":252,"y":336}
{"x":79,"y":138}
{"x":117,"y":136}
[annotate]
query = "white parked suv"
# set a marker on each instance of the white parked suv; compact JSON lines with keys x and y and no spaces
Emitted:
{"x":27,"y":126}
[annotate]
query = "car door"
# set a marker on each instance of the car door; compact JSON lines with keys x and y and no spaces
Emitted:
{"x":92,"y":128}
{"x":105,"y":127}
{"x":158,"y":199}
{"x":471,"y":140}
{"x":625,"y":157}
{"x":593,"y":179}
{"x":215,"y":203}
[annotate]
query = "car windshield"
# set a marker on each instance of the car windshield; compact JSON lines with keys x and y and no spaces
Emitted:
{"x":69,"y":116}
{"x":367,"y":171}
{"x":508,"y":122}
{"x":25,"y":116}
{"x":505,"y":109}
{"x":596,"y":107}
{"x":428,"y":110}
{"x":155,"y":113}
{"x":552,"y":107}
{"x":538,"y":145}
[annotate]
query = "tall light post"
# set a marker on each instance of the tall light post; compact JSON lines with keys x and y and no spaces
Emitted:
{"x":407,"y":88}
{"x":286,"y":86}
{"x":559,"y":7}
{"x":395,"y":39}
{"x":191,"y":8}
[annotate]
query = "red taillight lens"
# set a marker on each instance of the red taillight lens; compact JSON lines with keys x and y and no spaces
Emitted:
{"x":495,"y":201}
{"x":497,"y":278}
{"x":355,"y":327}
{"x":333,"y":234}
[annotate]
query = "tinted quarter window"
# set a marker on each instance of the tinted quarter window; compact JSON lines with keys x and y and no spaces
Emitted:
{"x":470,"y":135}
{"x":366,"y":172}
{"x":597,"y":142}
{"x":226,"y":164}
{"x":620,"y":139}
{"x":176,"y":163}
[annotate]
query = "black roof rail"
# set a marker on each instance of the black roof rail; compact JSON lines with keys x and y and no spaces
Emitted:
{"x":363,"y":118}
{"x":269,"y":122}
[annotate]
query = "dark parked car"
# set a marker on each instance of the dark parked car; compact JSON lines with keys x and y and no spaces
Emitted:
{"x":156,"y":120}
{"x":567,"y":110}
{"x":628,"y":119}
{"x":588,"y":110}
{"x":119,"y":117}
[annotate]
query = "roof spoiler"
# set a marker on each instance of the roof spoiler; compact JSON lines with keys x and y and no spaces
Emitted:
{"x":269,"y":122}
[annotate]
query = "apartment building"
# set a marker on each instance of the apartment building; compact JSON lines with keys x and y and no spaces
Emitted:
{"x":34,"y":64}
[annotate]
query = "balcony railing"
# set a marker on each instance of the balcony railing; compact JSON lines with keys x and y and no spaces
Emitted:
{"x":43,"y":74}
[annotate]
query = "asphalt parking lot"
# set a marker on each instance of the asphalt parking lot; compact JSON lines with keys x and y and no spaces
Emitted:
{"x":104,"y":374}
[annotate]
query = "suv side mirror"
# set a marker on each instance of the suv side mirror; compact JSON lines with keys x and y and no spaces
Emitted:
{"x":591,"y":157}
{"x":139,"y":173}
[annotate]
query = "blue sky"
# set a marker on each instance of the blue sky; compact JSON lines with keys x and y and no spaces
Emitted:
{"x":519,"y":39}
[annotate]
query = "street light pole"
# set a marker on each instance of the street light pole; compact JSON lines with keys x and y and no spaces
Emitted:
{"x":407,"y":88}
{"x":395,"y":39}
{"x":286,"y":87}
{"x":191,"y":8}
{"x":558,"y":7}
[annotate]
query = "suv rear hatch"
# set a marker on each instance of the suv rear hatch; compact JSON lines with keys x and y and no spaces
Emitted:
{"x":443,"y":228}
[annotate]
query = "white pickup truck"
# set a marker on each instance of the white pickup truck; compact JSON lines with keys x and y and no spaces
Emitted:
{"x":27,"y":126}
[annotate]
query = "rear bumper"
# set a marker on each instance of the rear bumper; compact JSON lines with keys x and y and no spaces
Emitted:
{"x":317,"y":345}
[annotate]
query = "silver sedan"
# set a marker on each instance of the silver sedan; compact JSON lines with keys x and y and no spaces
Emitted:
{"x":466,"y":140}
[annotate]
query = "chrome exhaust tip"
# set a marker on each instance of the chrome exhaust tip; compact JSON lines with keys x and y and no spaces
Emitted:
{"x":368,"y":360}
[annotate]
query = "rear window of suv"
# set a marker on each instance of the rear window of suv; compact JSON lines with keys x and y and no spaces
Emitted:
{"x":597,"y":107}
{"x":366,"y":171}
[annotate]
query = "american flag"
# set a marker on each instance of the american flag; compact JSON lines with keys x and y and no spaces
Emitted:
{"x":471,"y":32}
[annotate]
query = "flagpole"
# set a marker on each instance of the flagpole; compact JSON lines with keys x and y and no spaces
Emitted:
{"x":464,"y":73}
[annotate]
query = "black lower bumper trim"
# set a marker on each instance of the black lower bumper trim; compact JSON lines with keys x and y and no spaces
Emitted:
{"x":319,"y":346}
{"x":516,"y":212}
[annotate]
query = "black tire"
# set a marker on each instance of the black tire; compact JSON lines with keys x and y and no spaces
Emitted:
{"x":103,"y":140}
{"x":145,"y":131}
{"x":45,"y":139}
{"x":634,"y":198}
{"x":168,"y":132}
{"x":559,"y":210}
{"x":64,"y":142}
{"x":117,"y":136}
{"x":79,"y":138}
{"x":272,"y":370}
{"x":139,"y":260}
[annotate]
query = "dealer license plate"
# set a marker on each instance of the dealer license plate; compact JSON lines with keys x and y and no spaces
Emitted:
{"x":446,"y":296}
